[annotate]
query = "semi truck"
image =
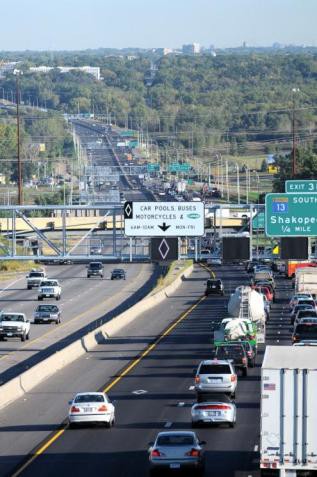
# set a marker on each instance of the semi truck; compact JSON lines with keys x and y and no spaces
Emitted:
{"x":288,"y":434}
{"x":306,"y":280}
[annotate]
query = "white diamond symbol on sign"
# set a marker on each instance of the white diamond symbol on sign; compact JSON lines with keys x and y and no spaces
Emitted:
{"x":163,"y":249}
{"x":128,"y":210}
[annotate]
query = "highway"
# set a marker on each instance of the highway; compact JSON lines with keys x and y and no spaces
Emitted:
{"x":84,"y":304}
{"x":155,"y":394}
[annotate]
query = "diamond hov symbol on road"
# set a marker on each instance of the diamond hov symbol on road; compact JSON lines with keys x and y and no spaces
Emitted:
{"x":164,"y":219}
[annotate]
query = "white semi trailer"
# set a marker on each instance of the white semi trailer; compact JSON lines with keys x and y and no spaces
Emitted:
{"x":289,"y":411}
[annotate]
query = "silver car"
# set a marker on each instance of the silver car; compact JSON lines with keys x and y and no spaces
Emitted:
{"x":215,"y":376}
{"x":91,"y":407}
{"x":177,"y":450}
{"x":218,"y":409}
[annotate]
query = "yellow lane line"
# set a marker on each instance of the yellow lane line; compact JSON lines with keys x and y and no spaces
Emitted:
{"x":126,"y":371}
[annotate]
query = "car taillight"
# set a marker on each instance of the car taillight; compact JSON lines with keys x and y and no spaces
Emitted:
{"x":197,"y":379}
{"x":193,"y":453}
{"x":102,"y":408}
{"x":205,"y":407}
{"x":233,"y":378}
{"x":74,"y":409}
{"x":156,"y":453}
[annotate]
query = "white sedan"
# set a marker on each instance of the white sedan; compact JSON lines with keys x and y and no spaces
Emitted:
{"x":91,"y":407}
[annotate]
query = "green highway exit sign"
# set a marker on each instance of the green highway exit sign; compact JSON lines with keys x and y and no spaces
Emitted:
{"x":301,"y":186}
{"x":291,"y":215}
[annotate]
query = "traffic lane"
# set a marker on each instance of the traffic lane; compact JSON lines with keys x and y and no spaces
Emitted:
{"x":21,"y":431}
{"x":165,"y":378}
{"x":81,"y":310}
{"x":155,"y":396}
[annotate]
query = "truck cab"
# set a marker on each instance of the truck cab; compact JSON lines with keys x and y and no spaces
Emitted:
{"x":14,"y":325}
{"x":34,"y":278}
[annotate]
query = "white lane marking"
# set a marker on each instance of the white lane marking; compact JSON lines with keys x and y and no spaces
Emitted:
{"x":168,"y":424}
{"x":256,"y":448}
{"x":191,"y":388}
{"x":10,"y":284}
{"x":139,"y":391}
{"x":180,"y":404}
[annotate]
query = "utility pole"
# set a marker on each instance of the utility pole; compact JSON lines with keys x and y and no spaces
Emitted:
{"x":294,"y":91}
{"x":20,"y":191}
{"x":238,"y":183}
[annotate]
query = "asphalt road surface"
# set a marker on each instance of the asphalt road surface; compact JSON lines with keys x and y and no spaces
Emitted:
{"x":84,"y":303}
{"x":155,"y":394}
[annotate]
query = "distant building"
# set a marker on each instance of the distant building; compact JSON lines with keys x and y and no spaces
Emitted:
{"x":91,"y":70}
{"x":7,"y":67}
{"x":164,"y":51}
{"x":191,"y":49}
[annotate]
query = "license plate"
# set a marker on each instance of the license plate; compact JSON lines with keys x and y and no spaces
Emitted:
{"x":214,"y":413}
{"x":88,"y":409}
{"x":47,"y":294}
{"x":9,"y":334}
{"x":215,"y":380}
{"x":175,"y":466}
{"x":45,"y":319}
{"x":213,"y":286}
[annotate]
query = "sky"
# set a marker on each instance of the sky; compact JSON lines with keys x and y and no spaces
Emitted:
{"x":82,"y":24}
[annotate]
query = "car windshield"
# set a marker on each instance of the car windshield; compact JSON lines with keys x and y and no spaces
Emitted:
{"x":95,"y":266}
{"x":215,"y":369}
{"x":49,"y":283}
{"x":175,"y":440}
{"x":82,"y":398}
{"x":307,"y":328}
{"x":48,"y":308}
{"x":8,"y":317}
{"x":306,"y":302}
{"x":224,"y":351}
{"x":118,"y":271}
{"x":213,"y":282}
{"x":309,"y":312}
{"x":36,"y":274}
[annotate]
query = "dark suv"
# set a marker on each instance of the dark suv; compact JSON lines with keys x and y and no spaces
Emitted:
{"x":214,"y":286}
{"x":118,"y":274}
{"x":95,"y":269}
{"x":235,"y":353}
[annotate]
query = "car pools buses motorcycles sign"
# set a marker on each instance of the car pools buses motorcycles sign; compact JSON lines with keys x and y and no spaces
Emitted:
{"x":164,"y":219}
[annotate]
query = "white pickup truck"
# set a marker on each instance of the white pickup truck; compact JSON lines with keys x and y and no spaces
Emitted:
{"x":49,"y":288}
{"x":34,"y":278}
{"x":14,"y":325}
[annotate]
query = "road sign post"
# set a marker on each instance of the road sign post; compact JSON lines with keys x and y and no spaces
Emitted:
{"x":291,"y":215}
{"x":164,"y":219}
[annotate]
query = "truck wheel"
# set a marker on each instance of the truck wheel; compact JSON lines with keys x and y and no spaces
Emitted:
{"x":29,"y":287}
{"x":23,"y":337}
{"x":40,"y":298}
{"x":28,"y":336}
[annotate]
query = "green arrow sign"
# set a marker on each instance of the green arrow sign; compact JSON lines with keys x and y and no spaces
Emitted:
{"x":153,"y":167}
{"x":291,"y":215}
{"x":258,"y":221}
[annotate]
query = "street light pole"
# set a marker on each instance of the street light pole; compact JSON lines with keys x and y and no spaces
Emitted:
{"x":20,"y":191}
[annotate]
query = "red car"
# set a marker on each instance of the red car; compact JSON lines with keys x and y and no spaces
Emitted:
{"x":265,"y":290}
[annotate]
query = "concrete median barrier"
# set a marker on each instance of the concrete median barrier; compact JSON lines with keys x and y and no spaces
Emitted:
{"x":17,"y":387}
